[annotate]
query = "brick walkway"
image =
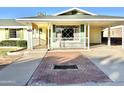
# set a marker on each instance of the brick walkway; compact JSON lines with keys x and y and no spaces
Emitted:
{"x":87,"y":72}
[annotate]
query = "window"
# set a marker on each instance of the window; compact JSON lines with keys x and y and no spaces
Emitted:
{"x":68,"y":33}
{"x":12,"y":33}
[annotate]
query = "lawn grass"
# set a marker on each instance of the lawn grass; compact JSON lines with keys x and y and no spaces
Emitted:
{"x":3,"y":51}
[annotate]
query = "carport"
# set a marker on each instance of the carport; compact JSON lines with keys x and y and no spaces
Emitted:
{"x":109,"y":26}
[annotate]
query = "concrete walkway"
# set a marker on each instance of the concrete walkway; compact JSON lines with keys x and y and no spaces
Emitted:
{"x":19,"y":72}
{"x":110,"y":60}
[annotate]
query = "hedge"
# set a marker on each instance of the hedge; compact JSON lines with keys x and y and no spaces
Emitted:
{"x":18,"y":43}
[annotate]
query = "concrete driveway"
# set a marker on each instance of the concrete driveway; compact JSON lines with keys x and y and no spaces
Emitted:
{"x":110,"y":60}
{"x":19,"y":72}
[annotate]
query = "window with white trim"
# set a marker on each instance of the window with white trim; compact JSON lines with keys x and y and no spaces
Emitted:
{"x":12,"y":33}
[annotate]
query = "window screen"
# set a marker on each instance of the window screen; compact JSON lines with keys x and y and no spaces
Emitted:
{"x":12,"y":33}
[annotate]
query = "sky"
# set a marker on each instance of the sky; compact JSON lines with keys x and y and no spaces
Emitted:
{"x":17,"y":12}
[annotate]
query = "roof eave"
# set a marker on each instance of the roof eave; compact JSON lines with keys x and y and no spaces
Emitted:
{"x":13,"y":26}
{"x":73,"y":9}
{"x":115,"y":19}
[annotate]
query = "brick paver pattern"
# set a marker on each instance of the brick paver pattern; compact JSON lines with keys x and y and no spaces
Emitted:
{"x":87,"y":72}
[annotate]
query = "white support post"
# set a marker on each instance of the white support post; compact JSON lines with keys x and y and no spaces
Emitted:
{"x":109,"y":36}
{"x":85,"y":37}
{"x":39,"y":36}
{"x":122,"y":36}
{"x":88,"y":46}
{"x":48,"y":37}
{"x":30,"y":39}
{"x":51,"y":37}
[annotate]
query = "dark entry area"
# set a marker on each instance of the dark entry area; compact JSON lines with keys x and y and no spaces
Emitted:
{"x":114,"y":40}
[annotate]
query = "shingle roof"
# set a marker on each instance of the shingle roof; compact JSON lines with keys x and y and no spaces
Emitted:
{"x":9,"y":22}
{"x":79,"y":16}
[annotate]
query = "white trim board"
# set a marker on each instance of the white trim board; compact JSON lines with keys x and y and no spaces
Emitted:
{"x":74,"y":9}
{"x":71,"y":19}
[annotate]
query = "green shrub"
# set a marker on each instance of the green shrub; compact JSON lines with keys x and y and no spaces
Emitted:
{"x":22,"y":43}
{"x":18,"y":43}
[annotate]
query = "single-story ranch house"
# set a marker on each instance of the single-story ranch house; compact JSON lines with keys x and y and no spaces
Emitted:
{"x":73,"y":28}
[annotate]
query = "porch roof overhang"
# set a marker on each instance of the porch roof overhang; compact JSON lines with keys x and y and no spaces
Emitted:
{"x":72,"y":18}
{"x":96,"y":20}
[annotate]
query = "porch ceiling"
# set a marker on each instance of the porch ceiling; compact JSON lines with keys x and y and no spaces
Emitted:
{"x":42,"y":24}
{"x":105,"y":24}
{"x":101,"y":24}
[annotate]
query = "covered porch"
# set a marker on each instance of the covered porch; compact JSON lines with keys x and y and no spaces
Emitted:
{"x":64,"y":34}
